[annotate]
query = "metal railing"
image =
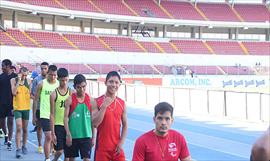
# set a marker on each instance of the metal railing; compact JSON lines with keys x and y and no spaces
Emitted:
{"x":236,"y":105}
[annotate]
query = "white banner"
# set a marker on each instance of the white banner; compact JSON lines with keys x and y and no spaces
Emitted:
{"x":235,"y":83}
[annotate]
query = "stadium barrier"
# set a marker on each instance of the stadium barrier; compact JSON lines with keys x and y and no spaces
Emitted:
{"x":244,"y":106}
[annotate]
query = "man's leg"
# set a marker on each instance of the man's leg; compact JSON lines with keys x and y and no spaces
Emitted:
{"x":60,"y":134}
{"x":39,"y":137}
{"x":4,"y":128}
{"x":57,"y":154}
{"x":72,"y":151}
{"x":47,"y":144}
{"x":3,"y":116}
{"x":25,"y":119}
{"x":39,"y":132}
{"x":18,"y":133}
{"x":10,"y":123}
{"x":45,"y":124}
{"x":85,"y":148}
{"x":18,"y":136}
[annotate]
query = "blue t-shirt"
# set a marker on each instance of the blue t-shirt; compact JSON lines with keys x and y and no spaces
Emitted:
{"x":35,"y":83}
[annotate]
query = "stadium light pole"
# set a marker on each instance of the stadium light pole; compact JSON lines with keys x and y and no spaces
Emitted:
{"x":3,"y":28}
{"x":159,"y":2}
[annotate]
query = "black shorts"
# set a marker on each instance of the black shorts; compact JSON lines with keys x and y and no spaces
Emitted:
{"x":45,"y":124}
{"x":60,"y":133}
{"x":83,"y":145}
{"x":6,"y":111}
{"x":38,"y":124}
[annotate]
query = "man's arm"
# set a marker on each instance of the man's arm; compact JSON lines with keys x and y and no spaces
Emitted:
{"x":184,"y":152}
{"x":123,"y":131}
{"x":139,"y":151}
{"x":33,"y":88}
{"x":187,"y":159}
{"x":94,"y":130}
{"x":35,"y":102}
{"x":52,"y":114}
{"x":66,"y":119}
{"x":98,"y":114}
{"x":14,"y":86}
{"x":30,"y":83}
{"x":261,"y":148}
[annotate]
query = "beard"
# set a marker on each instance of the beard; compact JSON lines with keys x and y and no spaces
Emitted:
{"x":162,"y":131}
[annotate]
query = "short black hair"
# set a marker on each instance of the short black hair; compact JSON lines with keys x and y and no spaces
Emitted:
{"x":52,"y":68}
{"x":45,"y":63}
{"x":7,"y":62}
{"x":112,"y":74}
{"x":78,"y":79}
{"x":163,"y":107}
{"x":23,"y":69}
{"x":13,"y":67}
{"x":62,"y":72}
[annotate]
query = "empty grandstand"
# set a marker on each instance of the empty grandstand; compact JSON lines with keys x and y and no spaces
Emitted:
{"x":230,"y":38}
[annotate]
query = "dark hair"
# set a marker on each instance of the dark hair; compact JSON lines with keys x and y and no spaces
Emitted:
{"x":163,"y":107}
{"x":23,"y":69}
{"x":52,"y":68}
{"x":44,"y":63}
{"x":7,"y":62}
{"x":112,"y":74}
{"x":13,"y":67}
{"x":78,"y":79}
{"x":62,"y":72}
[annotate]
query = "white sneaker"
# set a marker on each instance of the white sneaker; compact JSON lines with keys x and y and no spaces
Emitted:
{"x":2,"y":134}
{"x":48,"y":159}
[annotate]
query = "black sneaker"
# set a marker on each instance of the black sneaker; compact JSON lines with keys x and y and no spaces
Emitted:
{"x":6,"y":140}
{"x":9,"y":146}
{"x":18,"y":153}
{"x":34,"y":130}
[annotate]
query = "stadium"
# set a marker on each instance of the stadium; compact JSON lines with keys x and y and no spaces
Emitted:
{"x":208,"y":58}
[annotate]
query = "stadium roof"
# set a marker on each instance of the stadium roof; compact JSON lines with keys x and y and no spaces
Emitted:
{"x":231,"y":1}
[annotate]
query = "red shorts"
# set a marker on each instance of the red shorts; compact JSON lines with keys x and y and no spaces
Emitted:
{"x":109,"y":156}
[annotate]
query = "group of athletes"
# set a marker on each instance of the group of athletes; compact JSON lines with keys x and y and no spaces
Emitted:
{"x":73,"y":122}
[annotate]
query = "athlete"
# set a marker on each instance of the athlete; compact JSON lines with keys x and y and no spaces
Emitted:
{"x":161,"y":143}
{"x":44,"y":90}
{"x":20,"y":87}
{"x":57,"y":100}
{"x":261,"y":148}
{"x":111,"y":121}
{"x":36,"y":112}
{"x":78,"y":121}
{"x":6,"y":105}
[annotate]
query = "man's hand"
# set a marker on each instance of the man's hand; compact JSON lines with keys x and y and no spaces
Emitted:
{"x":93,"y":141}
{"x":54,"y":139}
{"x":106,"y":102}
{"x":69,"y":140}
{"x":34,"y":120}
{"x":118,"y":149}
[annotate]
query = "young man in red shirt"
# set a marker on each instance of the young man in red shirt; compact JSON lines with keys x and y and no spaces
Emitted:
{"x":161,"y":143}
{"x":108,"y":118}
{"x":261,"y":148}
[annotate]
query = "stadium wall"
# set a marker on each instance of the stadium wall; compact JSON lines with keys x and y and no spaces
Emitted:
{"x":37,"y":55}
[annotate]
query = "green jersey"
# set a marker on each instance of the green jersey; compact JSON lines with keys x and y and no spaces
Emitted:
{"x":80,"y":124}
